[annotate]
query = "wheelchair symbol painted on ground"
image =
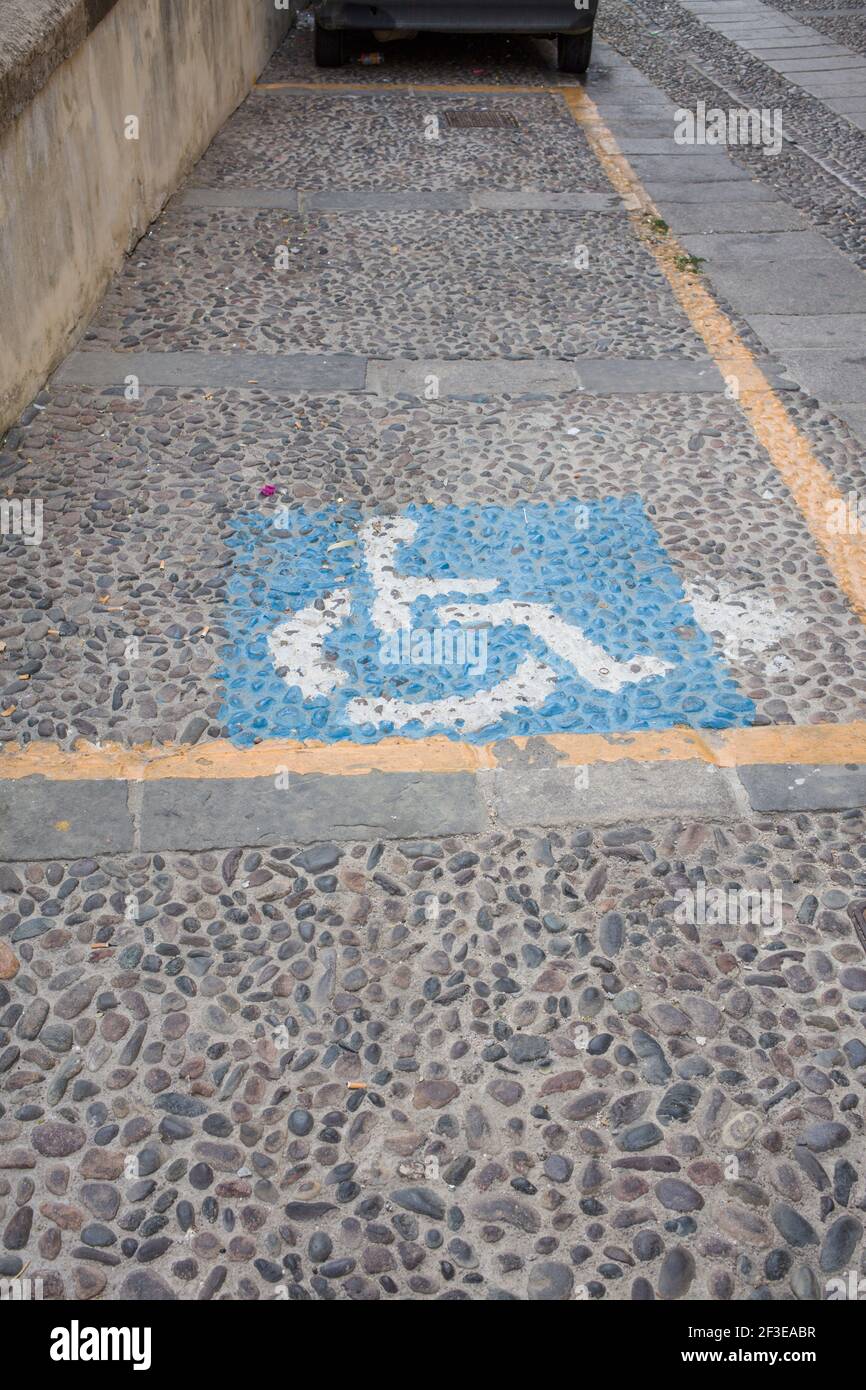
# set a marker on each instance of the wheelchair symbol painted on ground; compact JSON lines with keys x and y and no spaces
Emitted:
{"x":474,"y":622}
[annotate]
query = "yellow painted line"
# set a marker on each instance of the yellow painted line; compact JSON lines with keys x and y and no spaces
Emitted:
{"x":383,"y":88}
{"x":809,"y":482}
{"x":830,"y":744}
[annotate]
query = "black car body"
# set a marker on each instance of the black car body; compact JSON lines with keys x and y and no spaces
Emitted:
{"x":570,"y":21}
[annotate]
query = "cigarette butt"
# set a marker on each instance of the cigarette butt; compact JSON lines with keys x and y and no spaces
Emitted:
{"x":356,"y":1085}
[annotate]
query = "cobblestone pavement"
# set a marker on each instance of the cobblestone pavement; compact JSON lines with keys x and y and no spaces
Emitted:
{"x":484,"y":1068}
{"x":822,"y":166}
{"x":620,"y":1059}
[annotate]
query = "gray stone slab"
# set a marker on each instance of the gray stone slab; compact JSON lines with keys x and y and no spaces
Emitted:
{"x":750,"y":37}
{"x":611,"y":105}
{"x":491,"y":200}
{"x":801,"y":787}
{"x":376,"y":200}
{"x":463,"y":378}
{"x":283,"y":198}
{"x":831,"y":376}
{"x":833,"y":63}
{"x":663,"y":144}
{"x":749,"y":248}
{"x":619,"y":77}
{"x":631,"y":376}
{"x":41,"y":819}
{"x":181,"y":814}
{"x":712,"y":167}
{"x":290,"y":372}
{"x":790,"y":286}
{"x":782,"y":332}
{"x":799,"y":46}
{"x":762,"y":20}
{"x":725,"y":194}
{"x":624,"y":129}
{"x":702,"y":218}
{"x":854,"y":417}
{"x":843,"y":85}
{"x":623,"y":791}
{"x":645,"y":102}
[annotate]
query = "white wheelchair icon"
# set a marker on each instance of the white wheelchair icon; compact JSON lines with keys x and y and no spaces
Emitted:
{"x":297,"y":645}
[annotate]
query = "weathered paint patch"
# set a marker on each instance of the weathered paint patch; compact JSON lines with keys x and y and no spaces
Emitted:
{"x":747,"y":622}
{"x":475,"y":622}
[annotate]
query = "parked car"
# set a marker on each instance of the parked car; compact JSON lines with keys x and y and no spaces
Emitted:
{"x":568,"y":21}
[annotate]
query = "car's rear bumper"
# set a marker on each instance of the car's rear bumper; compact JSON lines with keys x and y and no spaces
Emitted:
{"x":462,"y":16}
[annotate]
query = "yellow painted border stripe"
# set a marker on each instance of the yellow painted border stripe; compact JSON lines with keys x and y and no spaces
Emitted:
{"x":383,"y":88}
{"x":830,"y":744}
{"x":806,"y":478}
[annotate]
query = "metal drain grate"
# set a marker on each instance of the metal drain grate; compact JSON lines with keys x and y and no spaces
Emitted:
{"x":481,"y":120}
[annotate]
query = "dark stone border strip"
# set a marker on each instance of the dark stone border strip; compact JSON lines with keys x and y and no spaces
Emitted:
{"x":223,"y":814}
{"x":402,"y":200}
{"x":286,"y":199}
{"x":804,"y":787}
{"x":42,"y":819}
{"x":290,"y":372}
{"x":457,"y":378}
{"x":611,"y":376}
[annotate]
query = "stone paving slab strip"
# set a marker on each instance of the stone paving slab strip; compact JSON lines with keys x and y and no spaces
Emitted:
{"x":670,"y":191}
{"x":783,"y":332}
{"x":603,"y":376}
{"x":834,"y":377}
{"x":795,"y":285}
{"x":458,"y":377}
{"x":607,"y":793}
{"x":220,"y":814}
{"x":42,"y":819}
{"x":46,"y":819}
{"x":280,"y":371}
{"x":702,"y":217}
{"x":750,"y":250}
{"x":286,"y":198}
{"x":800,"y":787}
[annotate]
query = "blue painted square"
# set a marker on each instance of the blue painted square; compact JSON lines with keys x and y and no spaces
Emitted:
{"x":597,"y":567}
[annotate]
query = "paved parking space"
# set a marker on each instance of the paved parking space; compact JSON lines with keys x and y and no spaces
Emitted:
{"x":448,"y":334}
{"x":447,"y":583}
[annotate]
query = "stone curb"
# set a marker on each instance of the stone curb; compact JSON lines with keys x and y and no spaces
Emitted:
{"x":42,"y":819}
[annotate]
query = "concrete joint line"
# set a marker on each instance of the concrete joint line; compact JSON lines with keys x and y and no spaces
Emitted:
{"x":134,"y":799}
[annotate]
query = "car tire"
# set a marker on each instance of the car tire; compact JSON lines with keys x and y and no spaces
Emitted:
{"x":328,"y":47}
{"x":574,"y":51}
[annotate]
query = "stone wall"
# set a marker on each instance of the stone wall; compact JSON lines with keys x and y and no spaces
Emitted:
{"x":76,"y":192}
